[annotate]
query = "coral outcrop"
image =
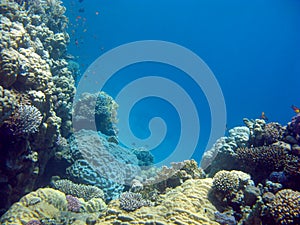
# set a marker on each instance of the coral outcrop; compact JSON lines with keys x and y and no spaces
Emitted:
{"x":36,"y":92}
{"x":185,"y":204}
{"x":285,"y":207}
{"x":49,"y":204}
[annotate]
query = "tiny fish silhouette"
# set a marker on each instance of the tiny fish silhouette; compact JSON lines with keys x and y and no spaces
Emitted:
{"x":295,"y":108}
{"x":263,"y":116}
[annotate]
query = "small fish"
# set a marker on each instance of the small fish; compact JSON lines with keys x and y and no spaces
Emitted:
{"x":81,"y":10}
{"x":80,"y":1}
{"x":97,"y":13}
{"x":76,"y":42}
{"x":263,"y":116}
{"x":295,"y":108}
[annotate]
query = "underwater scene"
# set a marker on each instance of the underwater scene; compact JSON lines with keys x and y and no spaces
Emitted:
{"x":149,"y":112}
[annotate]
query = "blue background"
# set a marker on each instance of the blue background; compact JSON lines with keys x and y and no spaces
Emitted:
{"x":252,"y":47}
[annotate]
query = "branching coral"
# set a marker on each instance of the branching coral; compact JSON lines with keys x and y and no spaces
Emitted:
{"x":25,"y":120}
{"x":130,"y":201}
{"x":86,"y":192}
{"x":285,"y":208}
{"x":269,"y":157}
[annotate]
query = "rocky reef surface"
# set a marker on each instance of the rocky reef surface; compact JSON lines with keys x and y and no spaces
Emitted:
{"x":52,"y":172}
{"x":36,"y":92}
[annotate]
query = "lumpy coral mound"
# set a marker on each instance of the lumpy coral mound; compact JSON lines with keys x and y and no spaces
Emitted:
{"x":285,"y":208}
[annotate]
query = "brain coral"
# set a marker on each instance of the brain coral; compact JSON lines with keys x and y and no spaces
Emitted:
{"x":285,"y":208}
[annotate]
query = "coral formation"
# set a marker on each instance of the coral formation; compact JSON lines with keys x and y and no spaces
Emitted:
{"x":293,"y":130}
{"x":87,"y":192}
{"x":273,"y":132}
{"x":49,"y":204}
{"x":171,"y":177}
{"x":271,"y":157}
{"x":99,"y":109}
{"x":185,"y":204}
{"x":73,"y":203}
{"x":130,"y":201}
{"x":226,"y":181}
{"x":96,"y":161}
{"x":285,"y":207}
{"x":26,"y":119}
{"x":224,"y":219}
{"x":36,"y":91}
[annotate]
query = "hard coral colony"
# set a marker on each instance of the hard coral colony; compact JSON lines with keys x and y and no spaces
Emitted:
{"x":250,"y":176}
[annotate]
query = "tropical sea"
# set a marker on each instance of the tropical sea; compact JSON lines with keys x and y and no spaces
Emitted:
{"x":149,"y":112}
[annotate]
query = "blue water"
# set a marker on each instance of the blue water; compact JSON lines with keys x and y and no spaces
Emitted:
{"x":252,"y":47}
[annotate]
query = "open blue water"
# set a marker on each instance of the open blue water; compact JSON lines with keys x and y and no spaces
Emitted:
{"x":252,"y":47}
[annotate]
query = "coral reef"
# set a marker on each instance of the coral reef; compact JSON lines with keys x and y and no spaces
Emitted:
{"x":224,"y":219}
{"x":130,"y":201}
{"x":226,"y":181}
{"x":171,"y":177}
{"x":97,"y":108}
{"x":25,"y":120}
{"x":96,"y":161}
{"x":256,"y":128}
{"x":271,"y":157}
{"x":49,"y":204}
{"x":87,"y":192}
{"x":285,"y":207}
{"x":273,"y":132}
{"x":185,"y":204}
{"x":36,"y":91}
{"x":73,"y":203}
{"x":293,"y":130}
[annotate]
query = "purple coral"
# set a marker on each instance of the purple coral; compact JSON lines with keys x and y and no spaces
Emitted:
{"x":73,"y":203}
{"x":25,"y":120}
{"x":33,"y":222}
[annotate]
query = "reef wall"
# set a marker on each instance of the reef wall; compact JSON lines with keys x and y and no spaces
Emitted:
{"x":36,"y":92}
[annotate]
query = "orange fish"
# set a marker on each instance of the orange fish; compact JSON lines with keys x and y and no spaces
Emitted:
{"x":263,"y":116}
{"x":295,"y":108}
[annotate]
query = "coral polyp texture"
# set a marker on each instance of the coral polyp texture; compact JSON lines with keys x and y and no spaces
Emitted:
{"x":270,"y":157}
{"x":285,"y":207}
{"x":36,"y":92}
{"x":87,"y":192}
{"x":25,"y":120}
{"x":226,"y":181}
{"x":130,"y":201}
